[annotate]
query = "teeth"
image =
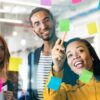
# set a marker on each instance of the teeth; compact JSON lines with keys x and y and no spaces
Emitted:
{"x":77,"y":63}
{"x":46,"y":32}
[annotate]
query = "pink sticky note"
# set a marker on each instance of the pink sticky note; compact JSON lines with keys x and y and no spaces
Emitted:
{"x":0,"y":85}
{"x":46,"y":2}
{"x":76,"y":1}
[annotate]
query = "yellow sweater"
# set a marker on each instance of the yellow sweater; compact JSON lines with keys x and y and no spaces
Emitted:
{"x":81,"y":91}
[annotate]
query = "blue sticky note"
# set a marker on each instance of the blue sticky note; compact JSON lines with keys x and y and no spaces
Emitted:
{"x":54,"y":83}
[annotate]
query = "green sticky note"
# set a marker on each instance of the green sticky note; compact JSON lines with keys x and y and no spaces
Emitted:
{"x":92,"y":28}
{"x":86,"y":76}
{"x":64,"y":25}
{"x":14,"y":63}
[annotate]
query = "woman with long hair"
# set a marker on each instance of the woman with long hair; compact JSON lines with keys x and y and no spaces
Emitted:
{"x":4,"y":63}
{"x":83,"y":61}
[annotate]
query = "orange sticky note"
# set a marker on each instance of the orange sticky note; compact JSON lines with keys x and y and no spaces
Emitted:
{"x":92,"y":28}
{"x":14,"y":63}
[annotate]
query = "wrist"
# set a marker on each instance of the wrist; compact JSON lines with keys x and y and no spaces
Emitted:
{"x":56,"y":68}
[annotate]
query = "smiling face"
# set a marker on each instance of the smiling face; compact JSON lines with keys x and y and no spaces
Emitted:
{"x":78,"y":57}
{"x":43,"y":25}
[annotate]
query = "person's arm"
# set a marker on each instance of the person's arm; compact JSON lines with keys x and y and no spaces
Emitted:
{"x":58,"y":56}
{"x":61,"y":94}
{"x":10,"y":91}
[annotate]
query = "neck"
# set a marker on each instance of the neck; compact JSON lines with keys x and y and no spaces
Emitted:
{"x":48,"y":45}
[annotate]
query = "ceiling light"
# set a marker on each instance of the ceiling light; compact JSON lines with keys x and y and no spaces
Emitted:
{"x":10,"y":21}
{"x":23,"y":42}
{"x":14,"y":33}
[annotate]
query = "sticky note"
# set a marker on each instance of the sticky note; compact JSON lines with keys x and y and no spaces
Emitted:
{"x":14,"y":63}
{"x":54,"y":83}
{"x":76,"y":1}
{"x":86,"y":76}
{"x":46,"y":2}
{"x":92,"y":28}
{"x":0,"y":85}
{"x":64,"y":25}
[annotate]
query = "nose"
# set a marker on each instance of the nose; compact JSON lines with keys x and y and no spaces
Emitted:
{"x":43,"y":25}
{"x":76,"y":55}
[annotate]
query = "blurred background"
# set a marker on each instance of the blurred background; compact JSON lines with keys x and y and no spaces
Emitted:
{"x":16,"y":29}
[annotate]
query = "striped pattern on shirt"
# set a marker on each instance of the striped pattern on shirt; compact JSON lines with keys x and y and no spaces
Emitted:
{"x":43,"y":70}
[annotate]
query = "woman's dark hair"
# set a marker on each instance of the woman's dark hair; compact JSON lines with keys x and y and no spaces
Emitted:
{"x":96,"y":60}
{"x":6,"y":52}
{"x":37,"y":10}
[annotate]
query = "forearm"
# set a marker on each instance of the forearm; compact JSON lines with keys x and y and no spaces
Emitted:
{"x":58,"y":73}
{"x":50,"y":94}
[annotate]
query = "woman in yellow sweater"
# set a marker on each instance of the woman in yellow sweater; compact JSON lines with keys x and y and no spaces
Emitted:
{"x":83,"y":60}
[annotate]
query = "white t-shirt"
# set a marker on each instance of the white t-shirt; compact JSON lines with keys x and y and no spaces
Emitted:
{"x":43,"y":70}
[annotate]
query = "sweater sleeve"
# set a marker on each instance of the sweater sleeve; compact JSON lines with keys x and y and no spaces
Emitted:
{"x":61,"y":94}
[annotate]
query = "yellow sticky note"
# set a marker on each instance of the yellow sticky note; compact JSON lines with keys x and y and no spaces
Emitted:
{"x":14,"y":63}
{"x":92,"y":28}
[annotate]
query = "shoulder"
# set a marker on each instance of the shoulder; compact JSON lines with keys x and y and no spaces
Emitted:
{"x":36,"y":50}
{"x":36,"y":55}
{"x":39,"y":49}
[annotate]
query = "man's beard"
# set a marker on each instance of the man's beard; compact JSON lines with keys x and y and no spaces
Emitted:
{"x":46,"y":39}
{"x":51,"y":36}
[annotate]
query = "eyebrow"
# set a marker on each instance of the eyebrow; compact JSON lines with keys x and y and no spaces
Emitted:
{"x":76,"y":48}
{"x":46,"y":17}
{"x":79,"y":47}
{"x":68,"y":52}
{"x":43,"y":20}
{"x":35,"y":22}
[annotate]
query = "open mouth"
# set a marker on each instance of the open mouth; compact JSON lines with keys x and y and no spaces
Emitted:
{"x":79,"y":64}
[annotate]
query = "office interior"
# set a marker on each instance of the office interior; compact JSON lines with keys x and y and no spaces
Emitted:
{"x":16,"y":29}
